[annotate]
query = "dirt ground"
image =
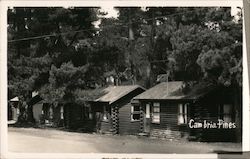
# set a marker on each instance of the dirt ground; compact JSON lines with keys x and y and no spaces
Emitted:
{"x":33,"y":140}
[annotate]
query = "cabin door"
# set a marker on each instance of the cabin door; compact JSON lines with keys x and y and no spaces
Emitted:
{"x":147,"y":119}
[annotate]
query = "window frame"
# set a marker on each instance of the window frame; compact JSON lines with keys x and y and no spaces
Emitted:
{"x":182,"y":113}
{"x":156,"y":113}
{"x":222,"y":114}
{"x":133,"y":112}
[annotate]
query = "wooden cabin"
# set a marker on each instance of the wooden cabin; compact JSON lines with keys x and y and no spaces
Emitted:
{"x":173,"y":112}
{"x":79,"y":117}
{"x":47,"y":114}
{"x":68,"y":115}
{"x":112,"y":111}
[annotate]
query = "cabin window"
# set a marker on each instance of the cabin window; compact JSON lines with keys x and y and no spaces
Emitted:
{"x":105,"y":113}
{"x":135,"y":112}
{"x":182,"y":114}
{"x":156,"y":113}
{"x":225,"y":112}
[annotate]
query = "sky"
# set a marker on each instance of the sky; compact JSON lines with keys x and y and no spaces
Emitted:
{"x":112,"y":13}
{"x":110,"y":10}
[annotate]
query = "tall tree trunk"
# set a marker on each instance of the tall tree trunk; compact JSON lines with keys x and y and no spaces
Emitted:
{"x":131,"y":38}
{"x":30,"y":115}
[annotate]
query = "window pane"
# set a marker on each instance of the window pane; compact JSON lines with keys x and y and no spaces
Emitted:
{"x":227,"y":112}
{"x":227,"y":108}
{"x":180,"y":119}
{"x":156,"y":104}
{"x":157,"y":116}
{"x":156,"y":110}
{"x":137,"y":108}
{"x":156,"y":113}
{"x":156,"y":119}
{"x":136,"y":116}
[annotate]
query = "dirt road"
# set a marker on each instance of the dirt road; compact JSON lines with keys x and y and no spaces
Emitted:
{"x":47,"y":140}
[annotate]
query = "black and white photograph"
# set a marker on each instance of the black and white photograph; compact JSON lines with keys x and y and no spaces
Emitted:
{"x":121,"y":79}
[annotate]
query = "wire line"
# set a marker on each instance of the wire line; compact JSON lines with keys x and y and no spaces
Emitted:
{"x":76,"y":31}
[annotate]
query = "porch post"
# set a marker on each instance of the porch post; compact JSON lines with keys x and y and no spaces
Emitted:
{"x":115,"y":119}
{"x":141,"y":119}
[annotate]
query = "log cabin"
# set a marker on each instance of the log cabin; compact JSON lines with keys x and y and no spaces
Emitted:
{"x":109,"y":113}
{"x":170,"y":110}
{"x":45,"y":113}
{"x":112,"y":111}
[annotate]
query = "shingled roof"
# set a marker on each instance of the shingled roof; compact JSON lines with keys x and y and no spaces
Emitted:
{"x":163,"y":90}
{"x":174,"y":90}
{"x":114,"y":93}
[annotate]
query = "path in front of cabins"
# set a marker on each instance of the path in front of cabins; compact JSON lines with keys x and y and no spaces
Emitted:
{"x":33,"y":140}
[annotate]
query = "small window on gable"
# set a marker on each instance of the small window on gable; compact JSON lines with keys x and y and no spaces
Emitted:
{"x":156,"y":113}
{"x":135,"y":112}
{"x":182,"y":113}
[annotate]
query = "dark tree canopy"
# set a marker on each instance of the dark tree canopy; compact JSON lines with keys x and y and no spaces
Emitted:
{"x":60,"y":53}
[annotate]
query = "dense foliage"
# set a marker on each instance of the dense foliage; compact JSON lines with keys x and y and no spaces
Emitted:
{"x":67,"y":55}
